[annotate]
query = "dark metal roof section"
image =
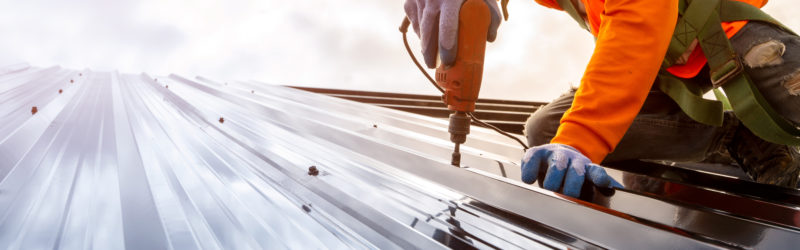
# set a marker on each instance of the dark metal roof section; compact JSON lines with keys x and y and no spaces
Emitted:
{"x":506,"y":115}
{"x":114,"y":161}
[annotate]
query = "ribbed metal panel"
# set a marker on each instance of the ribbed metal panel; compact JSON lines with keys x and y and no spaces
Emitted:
{"x":118,"y":160}
{"x":112,"y":161}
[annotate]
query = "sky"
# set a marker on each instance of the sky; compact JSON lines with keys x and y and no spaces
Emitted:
{"x":345,"y":44}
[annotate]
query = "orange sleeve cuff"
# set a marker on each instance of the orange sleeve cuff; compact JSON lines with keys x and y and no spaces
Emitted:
{"x":582,"y":139}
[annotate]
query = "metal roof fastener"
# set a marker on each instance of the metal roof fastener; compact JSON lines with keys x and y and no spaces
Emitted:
{"x":313,"y":171}
{"x":221,"y":120}
{"x":71,"y":81}
{"x":34,"y":110}
{"x":60,"y":91}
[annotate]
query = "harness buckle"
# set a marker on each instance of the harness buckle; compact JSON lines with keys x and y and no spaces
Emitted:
{"x":726,"y":72}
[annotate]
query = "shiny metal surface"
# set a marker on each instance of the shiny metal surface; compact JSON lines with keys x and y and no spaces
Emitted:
{"x":134,"y":161}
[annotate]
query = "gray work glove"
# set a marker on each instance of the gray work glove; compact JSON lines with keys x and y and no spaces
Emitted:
{"x":566,"y":167}
{"x":438,"y":20}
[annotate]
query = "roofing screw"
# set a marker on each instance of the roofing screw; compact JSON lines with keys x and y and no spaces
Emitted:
{"x":306,"y":208}
{"x":313,"y":171}
{"x":167,"y":86}
{"x":60,"y":91}
{"x":375,"y":125}
{"x":71,"y":81}
{"x":34,"y":110}
{"x":221,"y":120}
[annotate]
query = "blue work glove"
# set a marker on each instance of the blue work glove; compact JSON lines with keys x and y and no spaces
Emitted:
{"x":565,"y":165}
{"x":436,"y":23}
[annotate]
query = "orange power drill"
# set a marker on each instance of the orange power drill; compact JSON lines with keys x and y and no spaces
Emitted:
{"x":462,"y":80}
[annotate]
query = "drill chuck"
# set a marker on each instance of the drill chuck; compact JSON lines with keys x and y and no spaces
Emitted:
{"x":459,"y":127}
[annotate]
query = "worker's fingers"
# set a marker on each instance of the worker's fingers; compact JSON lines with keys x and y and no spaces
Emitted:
{"x":496,"y":19}
{"x":597,"y":175}
{"x":412,"y":12}
{"x":575,"y":177}
{"x":556,"y":169}
{"x":531,"y":162}
{"x":430,"y":36}
{"x":448,"y":31}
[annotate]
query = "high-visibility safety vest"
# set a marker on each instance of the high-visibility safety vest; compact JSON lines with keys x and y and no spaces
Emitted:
{"x":710,"y":23}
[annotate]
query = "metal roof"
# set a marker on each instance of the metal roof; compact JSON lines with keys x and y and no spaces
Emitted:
{"x":107,"y":160}
{"x":507,"y":115}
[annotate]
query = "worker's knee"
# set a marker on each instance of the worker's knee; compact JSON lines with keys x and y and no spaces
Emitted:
{"x":769,"y":53}
{"x":541,"y":126}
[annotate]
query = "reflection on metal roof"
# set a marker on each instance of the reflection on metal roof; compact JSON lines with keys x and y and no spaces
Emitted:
{"x":110,"y":161}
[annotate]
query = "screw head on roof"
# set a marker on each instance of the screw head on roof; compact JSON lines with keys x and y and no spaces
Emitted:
{"x":34,"y":110}
{"x":60,"y":91}
{"x":221,"y":120}
{"x":71,"y":81}
{"x":375,"y":125}
{"x":167,"y":86}
{"x":313,"y":171}
{"x":306,"y":208}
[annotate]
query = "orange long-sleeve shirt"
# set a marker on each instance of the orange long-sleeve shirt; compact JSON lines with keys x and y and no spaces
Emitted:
{"x":632,"y":40}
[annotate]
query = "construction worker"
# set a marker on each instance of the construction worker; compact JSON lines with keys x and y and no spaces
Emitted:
{"x":640,"y":95}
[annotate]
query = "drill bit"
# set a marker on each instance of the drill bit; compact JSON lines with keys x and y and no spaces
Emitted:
{"x":456,"y":159}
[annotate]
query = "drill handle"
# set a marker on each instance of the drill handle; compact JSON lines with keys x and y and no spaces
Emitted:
{"x":462,"y":80}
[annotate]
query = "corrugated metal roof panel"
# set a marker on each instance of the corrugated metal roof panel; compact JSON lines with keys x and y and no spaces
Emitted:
{"x":113,"y":161}
{"x":132,"y":161}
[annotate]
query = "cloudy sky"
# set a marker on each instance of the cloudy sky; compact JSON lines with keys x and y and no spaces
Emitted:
{"x":351,"y":44}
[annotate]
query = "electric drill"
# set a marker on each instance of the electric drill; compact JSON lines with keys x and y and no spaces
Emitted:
{"x":462,"y":80}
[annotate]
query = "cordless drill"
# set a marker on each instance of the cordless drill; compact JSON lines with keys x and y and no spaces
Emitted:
{"x":462,"y":80}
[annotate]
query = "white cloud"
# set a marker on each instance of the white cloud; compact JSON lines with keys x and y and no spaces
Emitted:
{"x":351,"y":44}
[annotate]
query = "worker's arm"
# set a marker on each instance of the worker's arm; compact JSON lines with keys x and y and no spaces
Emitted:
{"x":436,"y":23}
{"x":631,"y":43}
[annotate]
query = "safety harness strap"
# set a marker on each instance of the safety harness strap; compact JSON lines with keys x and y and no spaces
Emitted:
{"x":730,"y":11}
{"x":690,"y":99}
{"x":693,"y":18}
{"x":726,"y":71}
{"x":756,"y":114}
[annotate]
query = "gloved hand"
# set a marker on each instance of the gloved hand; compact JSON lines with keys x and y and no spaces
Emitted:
{"x":436,"y":23}
{"x":565,"y":165}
